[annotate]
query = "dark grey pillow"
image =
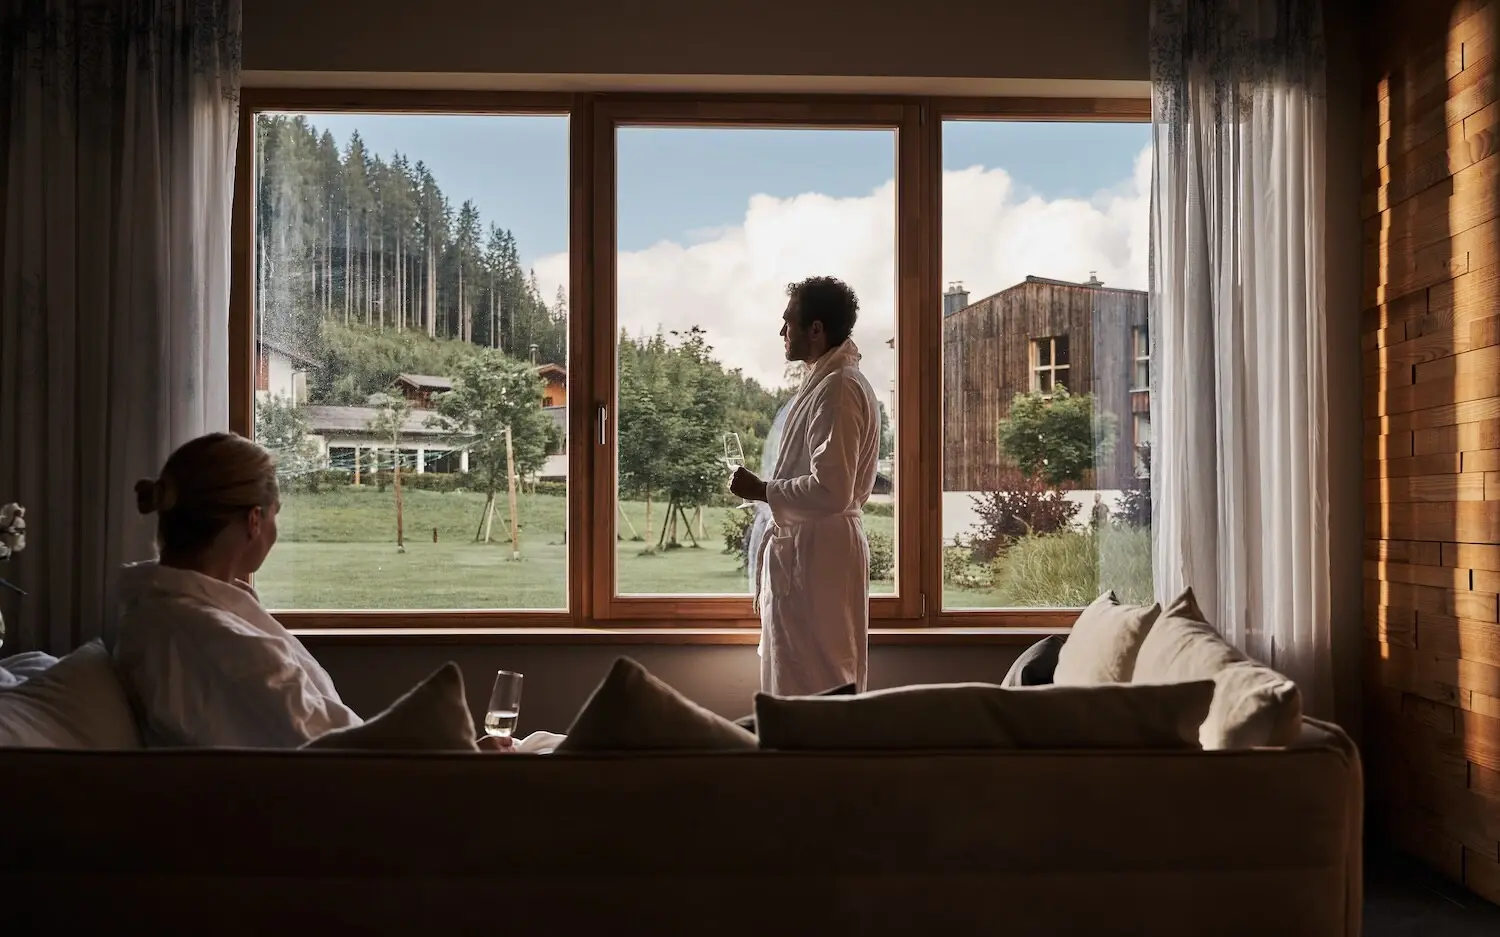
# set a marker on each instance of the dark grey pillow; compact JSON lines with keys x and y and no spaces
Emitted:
{"x":1036,"y":664}
{"x":748,"y":722}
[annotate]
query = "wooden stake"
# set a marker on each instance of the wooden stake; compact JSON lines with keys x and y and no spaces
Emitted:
{"x":510,"y":480}
{"x":396,"y":466}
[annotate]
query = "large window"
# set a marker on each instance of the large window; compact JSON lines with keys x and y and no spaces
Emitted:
{"x":1045,"y":366}
{"x":411,"y":327}
{"x":508,"y":347}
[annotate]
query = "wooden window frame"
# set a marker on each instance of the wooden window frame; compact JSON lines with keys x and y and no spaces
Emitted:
{"x":1142,"y":355}
{"x":593,"y":608}
{"x":1052,"y":368}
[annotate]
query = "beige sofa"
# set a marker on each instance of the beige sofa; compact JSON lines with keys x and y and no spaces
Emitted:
{"x":1209,"y":843}
{"x":100,"y":836}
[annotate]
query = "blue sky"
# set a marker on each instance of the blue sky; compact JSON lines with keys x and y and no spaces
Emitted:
{"x":677,"y":184}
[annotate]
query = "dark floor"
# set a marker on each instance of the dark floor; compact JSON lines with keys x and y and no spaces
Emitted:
{"x":1404,"y":899}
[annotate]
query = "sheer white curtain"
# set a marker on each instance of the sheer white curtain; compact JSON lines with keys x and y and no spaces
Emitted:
{"x":118,"y":120}
{"x":1240,"y":481}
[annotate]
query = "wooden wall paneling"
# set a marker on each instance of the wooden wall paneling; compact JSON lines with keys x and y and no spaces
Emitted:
{"x":1431,"y":363}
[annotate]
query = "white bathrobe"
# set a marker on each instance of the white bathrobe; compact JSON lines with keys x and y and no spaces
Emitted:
{"x":206,"y":665}
{"x":814,"y":574}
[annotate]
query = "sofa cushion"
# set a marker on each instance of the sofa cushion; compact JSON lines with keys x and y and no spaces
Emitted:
{"x":1104,"y":642}
{"x":77,"y":702}
{"x":432,"y":716}
{"x":633,"y":711}
{"x":18,"y":668}
{"x":981,"y":715}
{"x":1037,"y":665}
{"x":848,"y":689}
{"x":1253,"y":705}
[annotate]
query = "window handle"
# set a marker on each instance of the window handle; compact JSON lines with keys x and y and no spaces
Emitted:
{"x":602,"y":421}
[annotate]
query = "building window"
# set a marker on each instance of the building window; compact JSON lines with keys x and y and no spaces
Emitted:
{"x":1140,"y":344}
{"x":1049,"y":364}
{"x":1141,"y":436}
{"x":405,"y":318}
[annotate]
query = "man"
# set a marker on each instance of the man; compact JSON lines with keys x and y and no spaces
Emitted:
{"x":813,"y":573}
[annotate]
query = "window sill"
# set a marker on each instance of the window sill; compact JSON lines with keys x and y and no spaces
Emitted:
{"x":879,"y":637}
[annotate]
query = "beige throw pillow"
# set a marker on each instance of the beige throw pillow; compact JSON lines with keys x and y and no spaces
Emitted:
{"x":78,"y":702}
{"x":981,"y":715}
{"x":1254,"y":706}
{"x":1104,"y":642}
{"x":633,"y":711}
{"x":433,"y":716}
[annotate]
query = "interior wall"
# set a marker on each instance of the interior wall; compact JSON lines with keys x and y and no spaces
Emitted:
{"x":1431,"y":362}
{"x":1100,"y":39}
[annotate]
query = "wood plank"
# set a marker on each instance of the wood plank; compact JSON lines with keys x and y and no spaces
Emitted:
{"x":1399,"y":489}
{"x":1415,"y":746}
{"x":1485,"y":705}
{"x":1482,"y":874}
{"x":1462,"y":638}
{"x":1420,"y":552}
{"x":1483,"y":460}
{"x":1478,"y":738}
{"x":1492,"y":486}
{"x":1457,"y":304}
{"x":1458,"y":521}
{"x":1472,"y":555}
{"x":1388,"y":277}
{"x":1436,"y":716}
{"x":1390,"y":446}
{"x":1461,"y":437}
{"x":1464,"y":815}
{"x":1392,"y":626}
{"x":1412,"y":671}
{"x":1483,"y":580}
{"x":1467,"y":411}
{"x":1417,"y":833}
{"x":1450,"y":206}
{"x":1442,"y":463}
{"x":1465,"y":143}
{"x":1394,"y":315}
{"x":1484,"y":781}
{"x":1440,"y":577}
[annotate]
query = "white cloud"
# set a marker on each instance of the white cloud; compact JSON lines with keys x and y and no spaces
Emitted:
{"x":732,"y":281}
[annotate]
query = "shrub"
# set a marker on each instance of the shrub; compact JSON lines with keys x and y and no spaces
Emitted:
{"x":961,"y":572}
{"x":1135,"y":506}
{"x":318,"y":481}
{"x":736,"y":530}
{"x":880,"y":509}
{"x":882,"y":556}
{"x":1025,"y":507}
{"x":429,"y":481}
{"x":1070,"y":569}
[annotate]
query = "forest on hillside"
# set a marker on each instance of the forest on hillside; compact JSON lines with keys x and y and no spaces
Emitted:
{"x":364,"y":264}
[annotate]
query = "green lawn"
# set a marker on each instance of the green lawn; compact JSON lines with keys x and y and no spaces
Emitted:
{"x":338,"y":550}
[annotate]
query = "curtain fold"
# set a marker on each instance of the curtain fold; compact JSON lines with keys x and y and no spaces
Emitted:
{"x":1240,"y":471}
{"x":119,"y":120}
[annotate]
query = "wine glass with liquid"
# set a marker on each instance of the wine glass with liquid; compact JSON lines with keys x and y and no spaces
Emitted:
{"x":734,"y":457}
{"x":505,"y":705}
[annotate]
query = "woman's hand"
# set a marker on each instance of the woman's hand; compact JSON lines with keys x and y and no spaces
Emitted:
{"x":488,"y":743}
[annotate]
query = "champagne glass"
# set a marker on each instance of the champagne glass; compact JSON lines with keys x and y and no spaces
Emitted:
{"x":734,"y":457}
{"x":505,"y":705}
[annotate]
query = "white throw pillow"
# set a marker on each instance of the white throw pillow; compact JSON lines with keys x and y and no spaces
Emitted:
{"x":432,"y":716}
{"x":1104,"y":642}
{"x":78,"y":702}
{"x":963,"y":716}
{"x":631,"y":710}
{"x":1254,"y":706}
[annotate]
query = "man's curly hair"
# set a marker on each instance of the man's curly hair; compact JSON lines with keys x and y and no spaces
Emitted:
{"x":830,"y":301}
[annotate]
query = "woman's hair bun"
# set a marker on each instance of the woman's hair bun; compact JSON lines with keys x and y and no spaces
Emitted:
{"x":153,"y":495}
{"x":145,"y":496}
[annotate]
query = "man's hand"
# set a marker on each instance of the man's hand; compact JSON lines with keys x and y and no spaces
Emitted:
{"x":746,"y":484}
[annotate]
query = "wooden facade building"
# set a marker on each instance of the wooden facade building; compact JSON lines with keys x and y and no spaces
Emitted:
{"x":1036,"y":335}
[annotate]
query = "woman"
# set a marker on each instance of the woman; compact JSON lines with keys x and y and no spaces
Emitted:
{"x":205,"y":664}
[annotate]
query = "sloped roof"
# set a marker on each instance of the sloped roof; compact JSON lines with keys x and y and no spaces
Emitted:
{"x":271,"y":344}
{"x":426,"y":381}
{"x":323,"y":420}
